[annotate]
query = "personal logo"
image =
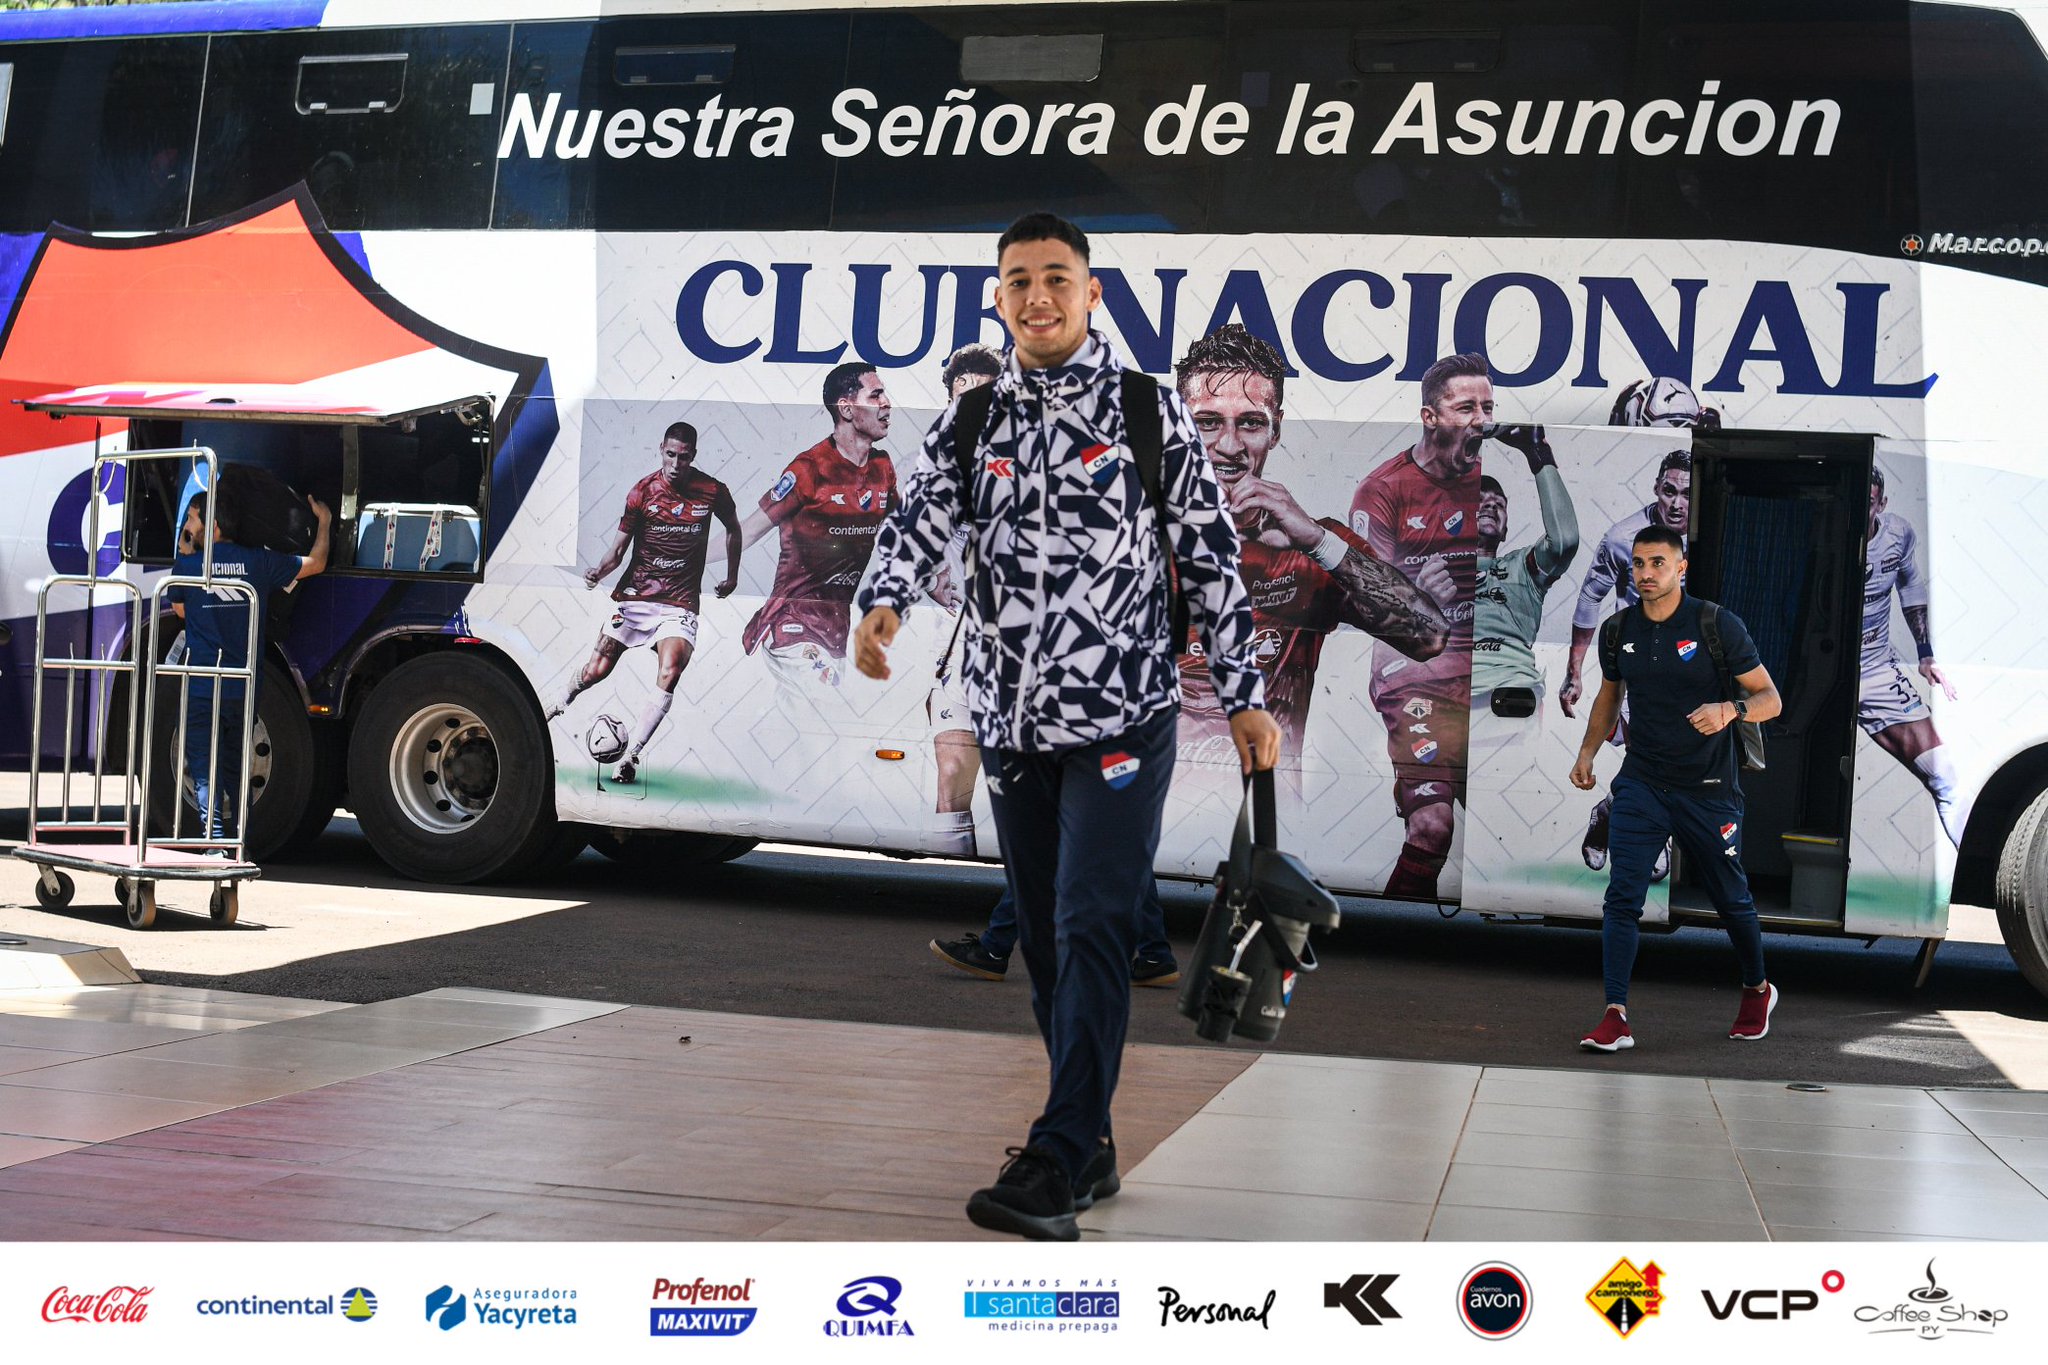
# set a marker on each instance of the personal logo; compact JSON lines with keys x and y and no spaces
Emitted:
{"x":1932,"y":1312}
{"x":1099,"y":463}
{"x":701,"y":1308}
{"x":1001,"y":467}
{"x":784,"y":486}
{"x":1418,"y":708}
{"x":1494,"y":1300}
{"x":867,"y":1308}
{"x":1425,"y":751}
{"x":1044,"y":1304}
{"x":1728,"y":830}
{"x":122,"y":1303}
{"x":1119,"y":770}
{"x":1912,"y":244}
{"x":358,"y":1304}
{"x":1364,"y":1297}
{"x":1454,"y":523}
{"x":515,"y":1306}
{"x":1175,"y":1309}
{"x":1686,"y":649}
{"x":1769,"y":1305}
{"x":700,"y":509}
{"x":1626,"y":1296}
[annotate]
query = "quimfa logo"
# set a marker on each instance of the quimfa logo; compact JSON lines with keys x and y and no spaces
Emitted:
{"x":1626,"y":1296}
{"x":122,"y":1303}
{"x":867,"y":1308}
{"x":1494,"y":1301}
{"x":701,"y":1308}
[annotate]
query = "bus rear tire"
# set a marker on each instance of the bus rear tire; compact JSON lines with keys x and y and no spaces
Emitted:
{"x":2021,"y":894}
{"x":449,"y":771}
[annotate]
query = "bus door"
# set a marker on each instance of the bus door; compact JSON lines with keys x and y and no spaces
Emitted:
{"x":1778,"y":528}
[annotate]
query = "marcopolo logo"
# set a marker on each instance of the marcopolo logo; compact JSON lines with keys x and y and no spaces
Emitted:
{"x":1770,"y":1305}
{"x":1494,"y":1301}
{"x":1626,"y":1296}
{"x":517,"y":1308}
{"x":1963,"y":244}
{"x":701,"y":1308}
{"x":1931,"y":1312}
{"x":122,"y":1303}
{"x":867,"y":1308}
{"x":1044,"y":1305}
{"x":1364,"y":1297}
{"x":1174,"y":1309}
{"x":355,"y":1304}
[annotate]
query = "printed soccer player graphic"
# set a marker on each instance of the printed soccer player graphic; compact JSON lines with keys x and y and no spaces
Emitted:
{"x":953,"y":748}
{"x":1609,"y":574}
{"x":1507,"y":608}
{"x":1888,"y":707}
{"x":667,"y":524}
{"x":1305,"y":576}
{"x":829,"y":503}
{"x":1420,"y":512}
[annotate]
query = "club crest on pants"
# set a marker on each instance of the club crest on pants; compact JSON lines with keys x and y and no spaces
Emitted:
{"x":1119,"y":770}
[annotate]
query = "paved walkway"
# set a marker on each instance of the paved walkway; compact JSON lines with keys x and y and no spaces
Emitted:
{"x":132,"y":1111}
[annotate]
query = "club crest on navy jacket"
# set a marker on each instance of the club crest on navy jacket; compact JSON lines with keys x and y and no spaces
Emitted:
{"x":1068,"y":614}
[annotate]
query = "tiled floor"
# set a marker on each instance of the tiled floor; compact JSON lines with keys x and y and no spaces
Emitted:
{"x":145,"y":1112}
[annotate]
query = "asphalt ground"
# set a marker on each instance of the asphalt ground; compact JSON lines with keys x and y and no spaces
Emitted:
{"x":802,"y":934}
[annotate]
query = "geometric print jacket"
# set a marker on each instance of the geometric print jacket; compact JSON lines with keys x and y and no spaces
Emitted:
{"x":1067,"y":638}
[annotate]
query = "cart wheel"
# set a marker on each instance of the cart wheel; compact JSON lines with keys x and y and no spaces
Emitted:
{"x":141,"y":905}
{"x":225,"y":905}
{"x":123,"y":889}
{"x":61,"y":897}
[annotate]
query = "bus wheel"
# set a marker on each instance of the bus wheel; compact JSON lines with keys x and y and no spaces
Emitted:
{"x":281,"y":768}
{"x":2022,"y":893}
{"x":448,"y":770}
{"x":653,"y":848}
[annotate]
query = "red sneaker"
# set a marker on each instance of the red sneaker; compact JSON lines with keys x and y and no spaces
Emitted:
{"x":1753,"y":1020}
{"x":1611,"y":1036}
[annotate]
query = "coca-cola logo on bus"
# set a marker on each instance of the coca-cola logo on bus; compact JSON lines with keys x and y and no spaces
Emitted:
{"x":122,"y":1303}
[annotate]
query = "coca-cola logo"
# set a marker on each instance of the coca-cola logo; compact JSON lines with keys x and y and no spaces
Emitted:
{"x":122,"y":1303}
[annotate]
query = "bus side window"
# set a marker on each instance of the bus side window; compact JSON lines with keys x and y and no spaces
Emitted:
{"x":6,"y":89}
{"x":1006,"y":57}
{"x":370,"y":84}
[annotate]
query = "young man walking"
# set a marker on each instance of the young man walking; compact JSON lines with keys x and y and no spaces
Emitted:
{"x":1678,"y":780}
{"x":1070,"y":667}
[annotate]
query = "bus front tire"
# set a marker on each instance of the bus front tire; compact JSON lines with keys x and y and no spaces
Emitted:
{"x":2021,"y":894}
{"x":449,"y":771}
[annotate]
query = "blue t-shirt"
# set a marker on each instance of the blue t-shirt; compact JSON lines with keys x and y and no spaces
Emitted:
{"x":217,"y":629}
{"x":1669,"y":674}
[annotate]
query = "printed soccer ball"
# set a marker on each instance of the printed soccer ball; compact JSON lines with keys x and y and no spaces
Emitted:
{"x":607,"y":739}
{"x":1657,"y":403}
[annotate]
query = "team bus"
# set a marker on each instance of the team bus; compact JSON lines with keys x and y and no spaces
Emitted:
{"x":611,"y":332}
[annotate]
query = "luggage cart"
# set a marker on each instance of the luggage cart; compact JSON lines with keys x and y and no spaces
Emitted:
{"x":114,"y":838}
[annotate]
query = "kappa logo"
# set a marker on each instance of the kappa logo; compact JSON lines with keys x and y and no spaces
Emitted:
{"x":784,"y":486}
{"x":1728,"y":830}
{"x":1629,"y":648}
{"x":1418,"y":729}
{"x":1425,"y":751}
{"x":1418,"y":707}
{"x":1364,"y":1297}
{"x":1455,"y":522}
{"x":839,"y":498}
{"x":1426,"y":789}
{"x":1626,"y":1296}
{"x":1418,"y":523}
{"x":1100,"y":463}
{"x":1686,"y":649}
{"x":1119,"y":770}
{"x":1728,"y":852}
{"x":1001,"y":467}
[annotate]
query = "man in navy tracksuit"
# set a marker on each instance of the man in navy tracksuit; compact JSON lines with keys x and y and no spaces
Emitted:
{"x":1071,"y":673}
{"x":1678,"y":780}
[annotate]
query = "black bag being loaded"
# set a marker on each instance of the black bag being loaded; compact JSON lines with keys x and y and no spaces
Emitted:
{"x":263,"y":510}
{"x":1254,"y":941}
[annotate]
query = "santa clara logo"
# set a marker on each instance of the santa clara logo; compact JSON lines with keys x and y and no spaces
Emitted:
{"x":1626,"y":1296}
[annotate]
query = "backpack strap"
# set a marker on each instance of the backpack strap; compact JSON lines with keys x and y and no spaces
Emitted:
{"x":1145,"y":436}
{"x":1710,"y":631}
{"x":970,"y":419}
{"x":1610,"y":642}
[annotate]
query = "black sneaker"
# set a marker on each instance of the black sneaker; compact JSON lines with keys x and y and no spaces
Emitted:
{"x":1031,"y":1198}
{"x":1155,"y":971}
{"x":1099,"y":1180}
{"x":969,"y":956}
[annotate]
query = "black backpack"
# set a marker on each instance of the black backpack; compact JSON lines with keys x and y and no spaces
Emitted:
{"x":1146,"y":439}
{"x":1749,"y":734}
{"x":264,"y":510}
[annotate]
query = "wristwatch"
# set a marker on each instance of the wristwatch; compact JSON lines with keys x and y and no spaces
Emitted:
{"x":1741,"y":710}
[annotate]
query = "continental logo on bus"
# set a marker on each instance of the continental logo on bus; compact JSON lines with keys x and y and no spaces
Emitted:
{"x":1309,"y":125}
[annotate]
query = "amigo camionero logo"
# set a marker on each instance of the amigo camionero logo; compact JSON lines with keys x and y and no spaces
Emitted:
{"x":1625,"y":1296}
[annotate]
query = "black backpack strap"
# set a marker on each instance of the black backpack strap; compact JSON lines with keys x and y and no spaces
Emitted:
{"x":1146,"y":437}
{"x":1610,"y":642}
{"x":1710,"y":631}
{"x":970,"y":419}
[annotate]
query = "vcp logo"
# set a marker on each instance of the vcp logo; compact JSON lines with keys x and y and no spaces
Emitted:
{"x":1769,"y":1305}
{"x":867,"y":1308}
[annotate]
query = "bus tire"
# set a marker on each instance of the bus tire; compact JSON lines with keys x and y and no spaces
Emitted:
{"x":281,"y":769}
{"x":2021,"y":893}
{"x":449,"y":770}
{"x":658,"y":848}
{"x":328,"y":753}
